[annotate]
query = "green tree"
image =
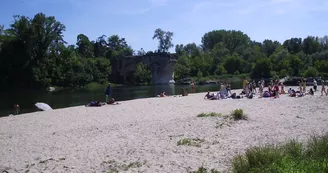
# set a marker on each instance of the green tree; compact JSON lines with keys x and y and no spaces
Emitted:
{"x":165,"y":39}
{"x":311,"y":72}
{"x":262,"y":68}
{"x":142,"y":74}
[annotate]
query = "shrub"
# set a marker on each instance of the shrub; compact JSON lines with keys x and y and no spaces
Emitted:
{"x":212,"y":114}
{"x":238,"y":114}
{"x":204,"y":170}
{"x":290,"y":157}
{"x":190,"y":142}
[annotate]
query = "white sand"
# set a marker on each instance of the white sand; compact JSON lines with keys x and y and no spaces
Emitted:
{"x":146,"y":131}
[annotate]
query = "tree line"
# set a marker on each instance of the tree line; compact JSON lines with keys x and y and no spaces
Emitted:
{"x":34,"y":54}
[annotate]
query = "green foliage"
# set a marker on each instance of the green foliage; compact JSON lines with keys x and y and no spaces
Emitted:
{"x":290,"y":157}
{"x":238,"y":114}
{"x":34,"y":55}
{"x":212,"y":114}
{"x":164,"y":38}
{"x":311,"y":72}
{"x":190,"y":142}
{"x":204,"y":170}
{"x":142,"y":74}
{"x":262,"y":68}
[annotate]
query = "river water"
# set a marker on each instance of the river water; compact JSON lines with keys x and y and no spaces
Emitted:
{"x":61,"y":99}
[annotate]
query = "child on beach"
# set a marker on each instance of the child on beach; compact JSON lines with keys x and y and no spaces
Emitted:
{"x":183,"y":92}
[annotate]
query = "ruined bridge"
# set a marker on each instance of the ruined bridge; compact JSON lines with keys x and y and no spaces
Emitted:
{"x":162,"y":67}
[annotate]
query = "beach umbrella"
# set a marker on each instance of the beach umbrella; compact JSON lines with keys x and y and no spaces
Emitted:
{"x":43,"y":106}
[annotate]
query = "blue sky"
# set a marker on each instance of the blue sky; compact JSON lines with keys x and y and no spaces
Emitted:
{"x":136,"y":20}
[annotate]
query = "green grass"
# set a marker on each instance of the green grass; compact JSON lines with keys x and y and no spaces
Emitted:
{"x":311,"y":157}
{"x":212,"y":114}
{"x":238,"y":114}
{"x":190,"y":142}
{"x":204,"y":170}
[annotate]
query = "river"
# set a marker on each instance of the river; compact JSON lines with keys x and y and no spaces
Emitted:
{"x":62,"y":99}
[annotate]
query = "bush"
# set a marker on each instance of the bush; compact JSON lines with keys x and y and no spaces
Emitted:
{"x":291,"y":157}
{"x":190,"y":142}
{"x":204,"y":170}
{"x":238,"y":114}
{"x":212,"y":114}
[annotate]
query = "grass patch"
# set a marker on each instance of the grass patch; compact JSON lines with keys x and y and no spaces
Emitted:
{"x":204,"y":170}
{"x":212,"y":114}
{"x":238,"y":114}
{"x":290,"y":157}
{"x":190,"y":142}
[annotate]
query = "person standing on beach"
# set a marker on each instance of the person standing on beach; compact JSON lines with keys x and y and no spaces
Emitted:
{"x":193,"y":87}
{"x":108,"y":92}
{"x":304,"y":85}
{"x":315,"y":85}
{"x":323,"y":90}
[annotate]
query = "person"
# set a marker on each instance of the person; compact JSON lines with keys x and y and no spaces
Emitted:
{"x":254,"y":86}
{"x":323,"y":89}
{"x":282,"y":91}
{"x":304,"y":85}
{"x":300,"y":85}
{"x":276,"y":90}
{"x":162,"y":94}
{"x":184,"y":93}
{"x":16,"y":109}
{"x":315,"y":85}
{"x":192,"y":86}
{"x":311,"y":92}
{"x":108,"y":92}
{"x":112,"y":101}
{"x":228,"y":88}
{"x":244,"y":84}
{"x":209,"y":96}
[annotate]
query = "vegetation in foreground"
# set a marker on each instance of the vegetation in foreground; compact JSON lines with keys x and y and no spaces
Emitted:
{"x":190,"y":142}
{"x":212,"y":114}
{"x":290,"y":157}
{"x":238,"y":114}
{"x":293,"y":156}
{"x":204,"y":170}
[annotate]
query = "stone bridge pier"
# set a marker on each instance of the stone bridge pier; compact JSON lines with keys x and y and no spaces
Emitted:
{"x":162,"y":66}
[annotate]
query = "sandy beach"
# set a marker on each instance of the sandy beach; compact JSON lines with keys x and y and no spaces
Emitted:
{"x":141,"y":135}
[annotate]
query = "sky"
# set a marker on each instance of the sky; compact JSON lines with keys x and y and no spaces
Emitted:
{"x":189,"y":20}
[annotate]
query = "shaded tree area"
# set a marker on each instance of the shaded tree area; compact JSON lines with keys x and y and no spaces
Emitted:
{"x":33,"y":54}
{"x":230,"y":52}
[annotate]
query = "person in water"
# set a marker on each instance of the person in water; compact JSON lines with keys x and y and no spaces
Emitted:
{"x":108,"y":92}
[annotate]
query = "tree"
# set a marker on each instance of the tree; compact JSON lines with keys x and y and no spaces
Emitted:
{"x":164,"y":38}
{"x":262,"y":68}
{"x":142,"y":74}
{"x":311,"y":72}
{"x":233,"y":63}
{"x":84,"y":46}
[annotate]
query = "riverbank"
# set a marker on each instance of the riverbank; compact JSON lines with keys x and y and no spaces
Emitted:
{"x":142,"y":134}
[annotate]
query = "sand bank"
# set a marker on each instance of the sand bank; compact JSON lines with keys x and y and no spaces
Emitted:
{"x":142,"y":135}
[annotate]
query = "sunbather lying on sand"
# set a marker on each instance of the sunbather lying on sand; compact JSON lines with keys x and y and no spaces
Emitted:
{"x":112,"y":102}
{"x":95,"y":104}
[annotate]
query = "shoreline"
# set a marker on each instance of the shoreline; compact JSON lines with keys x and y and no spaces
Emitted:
{"x":144,"y":133}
